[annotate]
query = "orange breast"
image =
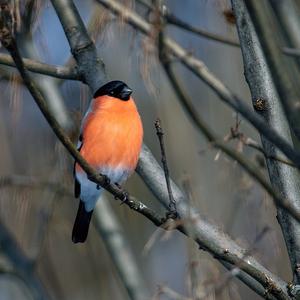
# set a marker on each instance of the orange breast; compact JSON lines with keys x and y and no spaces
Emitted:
{"x":112,"y":134}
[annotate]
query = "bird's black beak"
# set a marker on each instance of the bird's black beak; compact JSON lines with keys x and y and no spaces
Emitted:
{"x":126,"y":92}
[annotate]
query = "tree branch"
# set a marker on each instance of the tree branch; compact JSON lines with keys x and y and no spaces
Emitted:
{"x":260,"y":15}
{"x":42,"y":68}
{"x":90,"y":67}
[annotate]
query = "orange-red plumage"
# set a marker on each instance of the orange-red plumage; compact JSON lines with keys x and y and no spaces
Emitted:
{"x":112,"y":134}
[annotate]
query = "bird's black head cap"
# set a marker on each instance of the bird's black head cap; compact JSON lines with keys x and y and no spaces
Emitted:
{"x":117,"y":89}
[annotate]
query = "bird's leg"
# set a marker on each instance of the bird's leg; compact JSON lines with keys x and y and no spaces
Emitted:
{"x":105,"y":183}
{"x":125,"y":193}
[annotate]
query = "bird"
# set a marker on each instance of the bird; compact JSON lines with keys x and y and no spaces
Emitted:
{"x":110,"y":141}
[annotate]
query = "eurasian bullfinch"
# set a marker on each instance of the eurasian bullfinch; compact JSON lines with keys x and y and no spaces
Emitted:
{"x":110,"y":141}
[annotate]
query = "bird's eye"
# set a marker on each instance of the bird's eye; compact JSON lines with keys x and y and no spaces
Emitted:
{"x":112,"y":93}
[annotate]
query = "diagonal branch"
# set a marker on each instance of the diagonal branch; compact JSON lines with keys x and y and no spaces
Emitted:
{"x":259,"y":12}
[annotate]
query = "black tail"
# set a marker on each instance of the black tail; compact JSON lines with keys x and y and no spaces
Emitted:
{"x":81,"y":224}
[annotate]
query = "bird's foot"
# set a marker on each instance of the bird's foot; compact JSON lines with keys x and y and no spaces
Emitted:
{"x":124,"y":192}
{"x":118,"y":185}
{"x":125,"y":197}
{"x":173,"y":214}
{"x":105,"y":183}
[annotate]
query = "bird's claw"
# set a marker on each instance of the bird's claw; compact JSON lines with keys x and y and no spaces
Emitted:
{"x":173,"y":214}
{"x":125,"y":194}
{"x":106,"y":180}
{"x":105,"y":183}
{"x":125,"y":197}
{"x":118,"y":185}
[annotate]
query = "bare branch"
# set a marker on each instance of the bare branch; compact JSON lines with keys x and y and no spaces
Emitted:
{"x":82,"y":47}
{"x":42,"y":68}
{"x":260,"y":16}
{"x":282,"y":176}
{"x":250,"y":282}
{"x":249,"y":142}
{"x":174,"y":20}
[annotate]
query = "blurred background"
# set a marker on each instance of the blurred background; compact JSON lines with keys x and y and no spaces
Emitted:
{"x":37,"y":204}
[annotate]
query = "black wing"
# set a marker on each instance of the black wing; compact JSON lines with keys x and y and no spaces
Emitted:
{"x":77,"y":184}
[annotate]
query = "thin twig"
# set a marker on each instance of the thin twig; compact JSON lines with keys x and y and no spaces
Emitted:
{"x":174,"y":20}
{"x":249,"y":142}
{"x":160,"y":134}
